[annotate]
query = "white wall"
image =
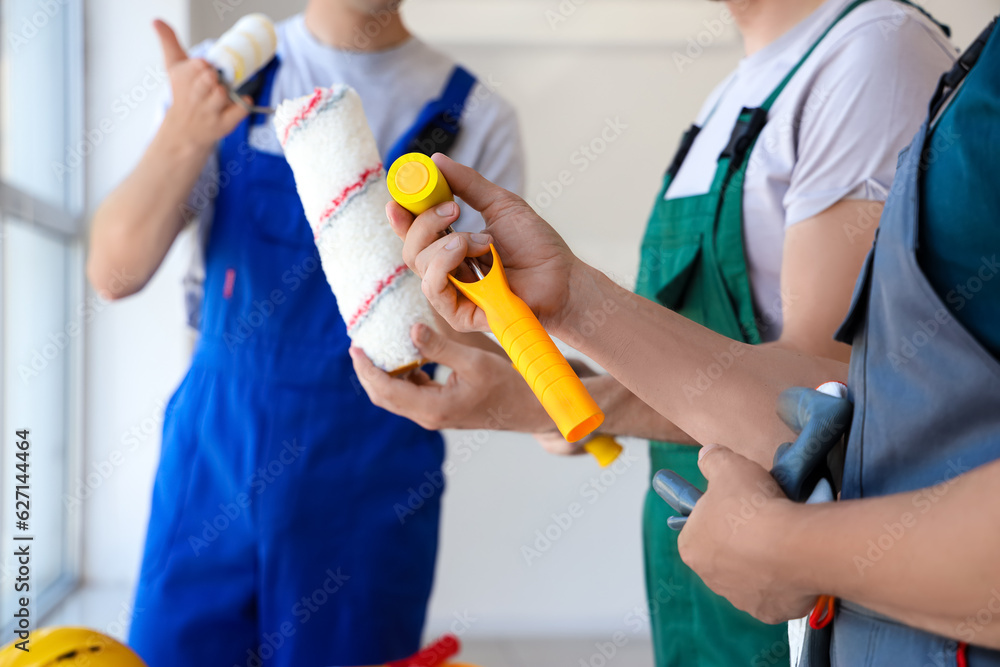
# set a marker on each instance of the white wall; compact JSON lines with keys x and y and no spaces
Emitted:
{"x":610,"y":59}
{"x":136,"y":349}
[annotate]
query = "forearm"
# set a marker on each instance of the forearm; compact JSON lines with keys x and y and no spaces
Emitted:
{"x":626,"y":415}
{"x":928,"y":559}
{"x":713,"y":388}
{"x":134,"y":227}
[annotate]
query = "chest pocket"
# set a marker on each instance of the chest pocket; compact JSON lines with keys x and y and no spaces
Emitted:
{"x":667,"y":264}
{"x":278,"y":218}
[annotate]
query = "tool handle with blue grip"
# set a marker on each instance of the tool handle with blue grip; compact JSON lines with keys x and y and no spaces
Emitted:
{"x":820,"y":420}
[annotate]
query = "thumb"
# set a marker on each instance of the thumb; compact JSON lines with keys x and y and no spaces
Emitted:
{"x":469,"y":184}
{"x":173,"y":52}
{"x":436,"y":347}
{"x":713,"y":459}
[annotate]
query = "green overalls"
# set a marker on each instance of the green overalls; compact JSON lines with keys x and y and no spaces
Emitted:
{"x":693,"y":262}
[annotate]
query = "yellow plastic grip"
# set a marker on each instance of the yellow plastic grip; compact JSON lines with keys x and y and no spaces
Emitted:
{"x":604,"y":448}
{"x":535,"y":356}
{"x":415,"y":182}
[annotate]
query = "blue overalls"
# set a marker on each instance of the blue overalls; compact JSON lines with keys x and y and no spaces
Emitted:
{"x":276,"y":535}
{"x":924,"y":388}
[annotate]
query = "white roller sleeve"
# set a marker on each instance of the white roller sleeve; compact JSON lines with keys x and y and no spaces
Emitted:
{"x":341,"y":183}
{"x":244,"y":49}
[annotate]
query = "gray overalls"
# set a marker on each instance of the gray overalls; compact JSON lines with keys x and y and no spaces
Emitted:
{"x":927,"y":406}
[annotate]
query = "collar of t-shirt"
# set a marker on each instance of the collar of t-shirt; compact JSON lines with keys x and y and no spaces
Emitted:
{"x":754,"y":79}
{"x":357,"y":61}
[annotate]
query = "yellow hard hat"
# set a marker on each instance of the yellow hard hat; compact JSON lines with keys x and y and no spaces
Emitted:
{"x":69,"y":647}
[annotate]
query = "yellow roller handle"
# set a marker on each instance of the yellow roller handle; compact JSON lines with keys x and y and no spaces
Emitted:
{"x":417,"y":185}
{"x":535,"y":356}
{"x":604,"y":448}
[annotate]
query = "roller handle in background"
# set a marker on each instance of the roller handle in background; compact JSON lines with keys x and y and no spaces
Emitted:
{"x":241,"y":52}
{"x":417,"y":185}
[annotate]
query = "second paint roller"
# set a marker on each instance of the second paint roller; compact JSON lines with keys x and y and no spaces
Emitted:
{"x":243,"y":51}
{"x":417,"y":185}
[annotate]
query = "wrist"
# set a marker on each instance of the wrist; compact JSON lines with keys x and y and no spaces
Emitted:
{"x":784,"y":546}
{"x":591,"y":303}
{"x":178,"y":141}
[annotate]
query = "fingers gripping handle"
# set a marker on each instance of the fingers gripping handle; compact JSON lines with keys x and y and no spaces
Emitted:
{"x":535,"y":356}
{"x":417,"y":185}
{"x":819,"y":419}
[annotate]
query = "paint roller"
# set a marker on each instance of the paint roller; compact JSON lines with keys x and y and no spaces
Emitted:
{"x":241,"y":52}
{"x":341,"y":182}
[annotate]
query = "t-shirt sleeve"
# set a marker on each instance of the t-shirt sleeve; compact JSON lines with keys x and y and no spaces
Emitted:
{"x":500,"y":158}
{"x":867,"y":101}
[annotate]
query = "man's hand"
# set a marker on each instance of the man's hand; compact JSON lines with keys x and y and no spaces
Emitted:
{"x":134,"y":227}
{"x":538,"y":263}
{"x":483,"y":391}
{"x":201,"y":112}
{"x":734,"y":538}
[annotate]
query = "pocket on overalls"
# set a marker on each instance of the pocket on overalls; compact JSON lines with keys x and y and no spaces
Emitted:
{"x":278,"y":217}
{"x":667,"y":263}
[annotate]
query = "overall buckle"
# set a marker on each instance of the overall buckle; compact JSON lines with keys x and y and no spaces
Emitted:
{"x":748,"y":128}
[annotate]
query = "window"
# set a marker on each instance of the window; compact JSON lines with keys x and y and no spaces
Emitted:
{"x":41,"y":291}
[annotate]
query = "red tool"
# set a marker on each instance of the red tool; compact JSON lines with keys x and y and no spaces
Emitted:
{"x":434,"y":655}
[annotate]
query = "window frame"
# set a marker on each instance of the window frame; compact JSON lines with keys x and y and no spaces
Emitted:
{"x":67,"y":225}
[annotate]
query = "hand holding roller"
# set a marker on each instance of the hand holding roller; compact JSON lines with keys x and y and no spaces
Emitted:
{"x":417,"y":185}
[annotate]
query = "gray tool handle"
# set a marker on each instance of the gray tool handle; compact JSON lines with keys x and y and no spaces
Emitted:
{"x":677,"y":491}
{"x":235,"y":97}
{"x":820,"y":421}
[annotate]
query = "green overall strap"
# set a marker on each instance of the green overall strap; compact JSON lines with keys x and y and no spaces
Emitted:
{"x":729,"y":179}
{"x":752,"y":121}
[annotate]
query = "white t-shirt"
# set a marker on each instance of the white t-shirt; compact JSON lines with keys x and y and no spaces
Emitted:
{"x":394,"y":85}
{"x":833,"y":134}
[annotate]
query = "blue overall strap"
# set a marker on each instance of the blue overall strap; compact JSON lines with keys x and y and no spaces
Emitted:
{"x":439,"y":122}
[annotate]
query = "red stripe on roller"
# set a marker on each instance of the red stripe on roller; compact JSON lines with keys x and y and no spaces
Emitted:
{"x":379,"y":288}
{"x":305,"y":111}
{"x":339,"y":200}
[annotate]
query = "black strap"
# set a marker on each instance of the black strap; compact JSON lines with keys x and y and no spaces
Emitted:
{"x":439,"y":122}
{"x":259,"y":86}
{"x":952,"y":79}
{"x":751,"y":121}
{"x":748,"y":127}
{"x":682,"y":150}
